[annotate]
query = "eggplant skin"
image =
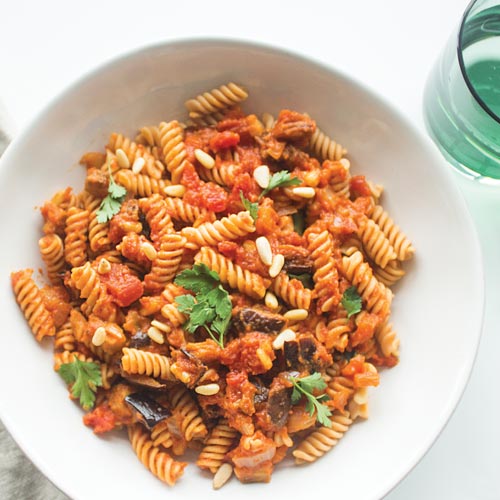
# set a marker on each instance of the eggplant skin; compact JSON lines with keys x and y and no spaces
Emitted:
{"x":248,"y":319}
{"x":152,"y":413}
{"x":279,"y":404}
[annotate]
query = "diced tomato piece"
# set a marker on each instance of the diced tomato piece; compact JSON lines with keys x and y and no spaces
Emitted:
{"x":124,"y":287}
{"x":355,"y":365}
{"x":228,"y":249}
{"x":359,"y":186}
{"x":224,"y":140}
{"x":366,"y":324}
{"x":102,"y":419}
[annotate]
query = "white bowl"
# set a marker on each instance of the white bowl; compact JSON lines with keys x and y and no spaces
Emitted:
{"x":437,"y":310}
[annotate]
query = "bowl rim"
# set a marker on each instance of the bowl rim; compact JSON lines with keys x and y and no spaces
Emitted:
{"x":272,"y":48}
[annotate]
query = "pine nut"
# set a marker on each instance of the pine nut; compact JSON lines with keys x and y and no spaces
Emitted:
{"x":155,"y":335}
{"x":104,"y":266}
{"x":122,"y":158}
{"x":149,"y":250}
{"x":264,"y":250}
{"x":208,"y":389}
{"x":222,"y":476}
{"x":271,"y":301}
{"x":304,"y":191}
{"x":277,"y":265}
{"x":161,"y":326}
{"x":296,"y":314}
{"x":138,"y":165}
{"x":176,"y":190}
{"x":99,"y":336}
{"x":284,"y":336}
{"x":204,"y":158}
{"x":262,"y":176}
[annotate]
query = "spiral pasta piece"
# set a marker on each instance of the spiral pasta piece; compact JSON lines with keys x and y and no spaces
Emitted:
{"x":140,"y":184}
{"x":178,"y":209}
{"x":325,"y":277}
{"x":137,"y":362}
{"x":149,"y":135}
{"x":52,"y":251}
{"x":75,"y":241}
{"x":64,"y":338}
{"x":388,"y":340}
{"x":223,"y":174}
{"x":340,"y":389}
{"x":334,"y":334}
{"x":192,"y":426}
{"x":210,"y":233}
{"x":30,"y":300}
{"x":292,"y":291}
{"x":375,"y":243}
{"x":324,"y":439}
{"x":235,"y":276}
{"x":133,"y":151}
{"x":166,"y":264}
{"x":324,"y":147}
{"x":216,"y":100}
{"x":173,"y":315}
{"x":86,"y":279}
{"x":161,"y":436}
{"x":97,"y":231}
{"x":402,"y":245}
{"x":372,"y":292}
{"x":220,"y":440}
{"x":160,"y":463}
{"x":65,"y":199}
{"x":157,"y":216}
{"x":174,"y":149}
{"x":390,"y":274}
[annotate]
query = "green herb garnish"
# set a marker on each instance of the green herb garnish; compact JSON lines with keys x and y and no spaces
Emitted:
{"x":281,"y":179}
{"x":305,"y":386}
{"x":252,"y":207}
{"x":351,"y":301}
{"x":112,"y":203}
{"x":84,"y":378}
{"x":211,"y":306}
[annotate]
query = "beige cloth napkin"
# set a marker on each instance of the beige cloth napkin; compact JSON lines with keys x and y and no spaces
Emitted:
{"x":19,"y":478}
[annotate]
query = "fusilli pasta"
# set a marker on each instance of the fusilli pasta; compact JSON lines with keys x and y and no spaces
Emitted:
{"x":215,"y":281}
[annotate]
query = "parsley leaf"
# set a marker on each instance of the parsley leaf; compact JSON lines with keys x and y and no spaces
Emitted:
{"x":85,"y":378}
{"x":281,"y":179}
{"x":111,"y":204}
{"x":351,"y":301}
{"x":210,"y":308}
{"x":200,"y":279}
{"x":252,"y":207}
{"x":305,"y":386}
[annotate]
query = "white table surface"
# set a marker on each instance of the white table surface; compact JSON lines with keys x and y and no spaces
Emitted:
{"x":389,"y":45}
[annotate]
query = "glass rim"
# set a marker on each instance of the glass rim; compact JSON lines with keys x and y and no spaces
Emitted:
{"x":461,"y":63}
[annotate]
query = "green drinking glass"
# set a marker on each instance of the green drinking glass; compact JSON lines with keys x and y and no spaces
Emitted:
{"x":462,"y":94}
